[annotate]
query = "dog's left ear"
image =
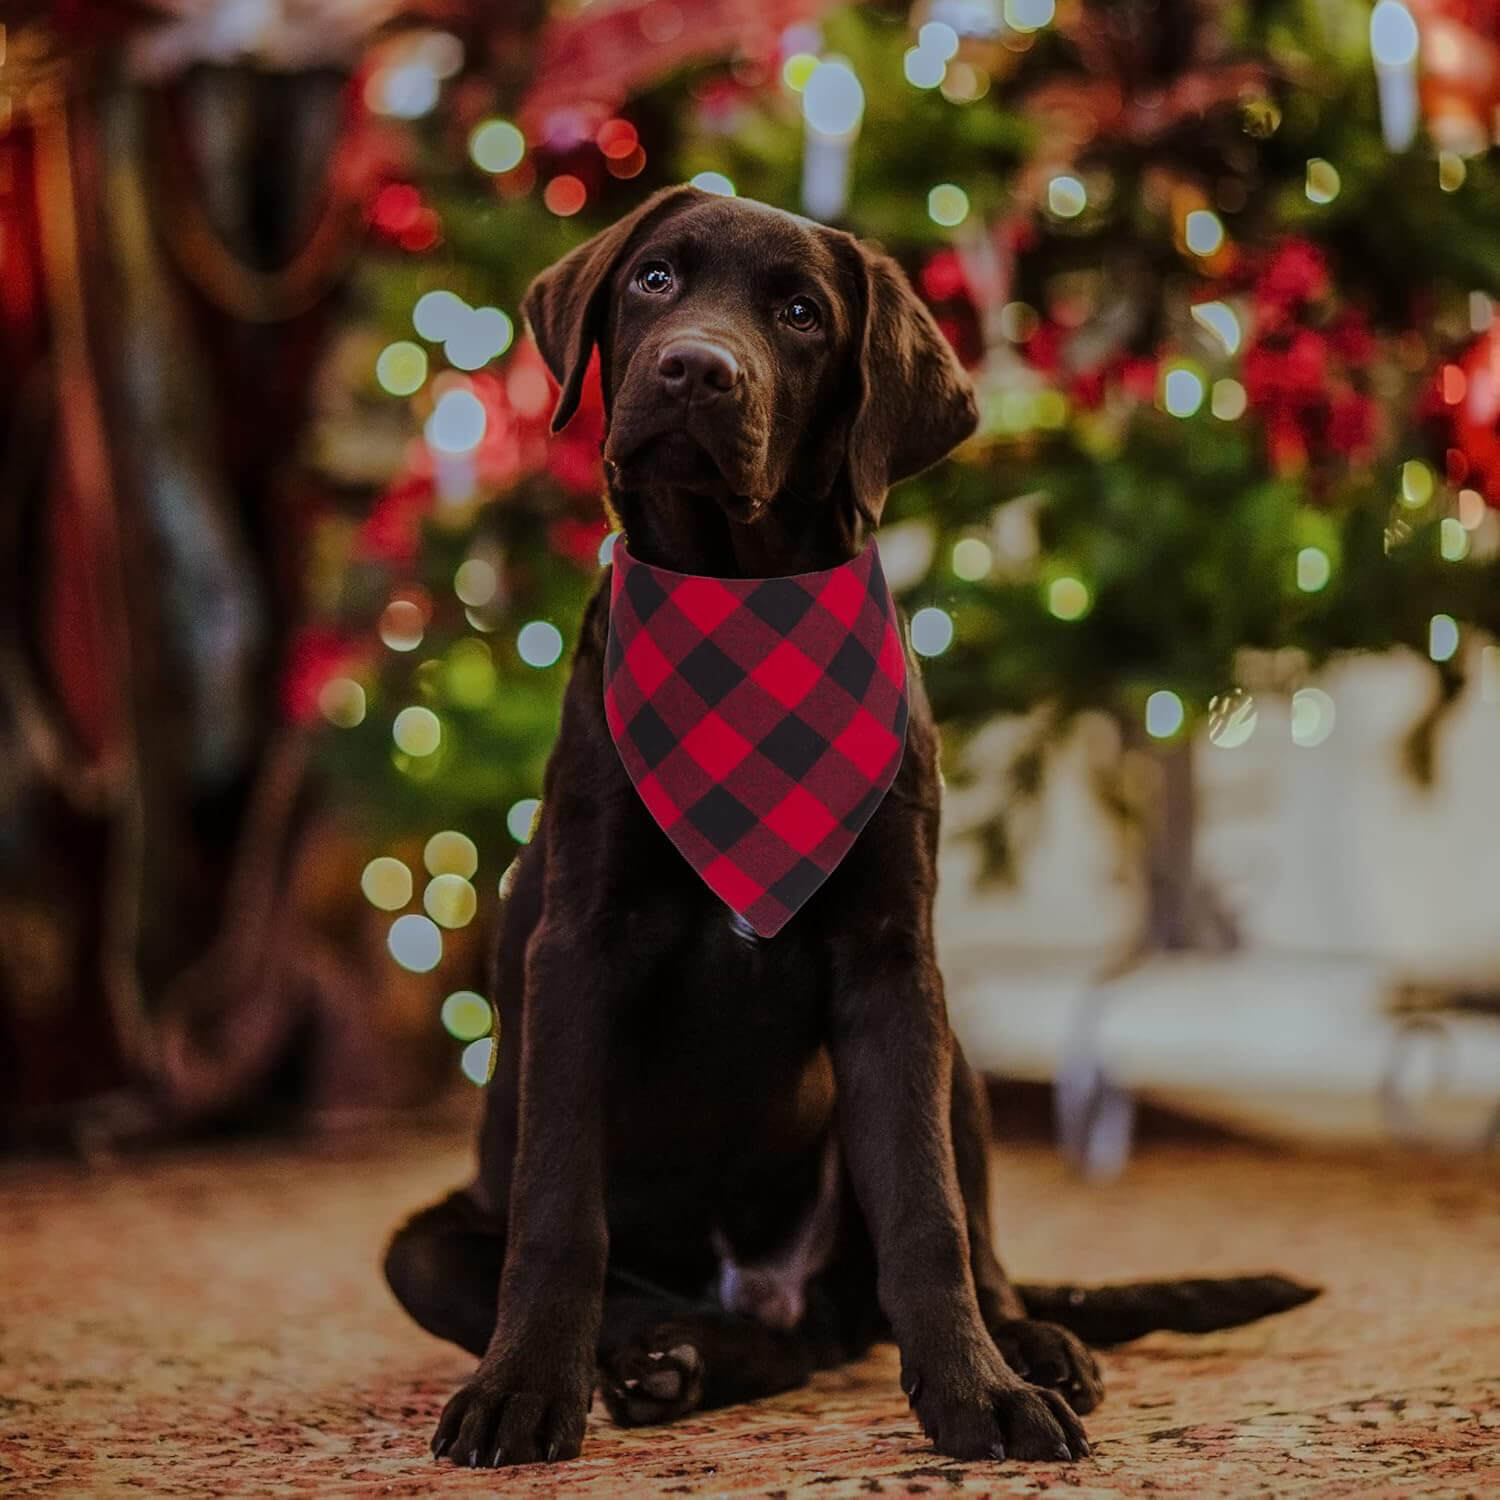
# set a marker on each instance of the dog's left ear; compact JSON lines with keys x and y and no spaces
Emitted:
{"x":915,"y":403}
{"x":567,"y":303}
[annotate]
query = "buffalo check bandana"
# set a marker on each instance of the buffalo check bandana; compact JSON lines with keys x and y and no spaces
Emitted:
{"x":762,"y":720}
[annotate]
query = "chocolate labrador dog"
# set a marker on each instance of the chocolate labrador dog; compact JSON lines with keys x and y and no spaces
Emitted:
{"x":712,"y":1163}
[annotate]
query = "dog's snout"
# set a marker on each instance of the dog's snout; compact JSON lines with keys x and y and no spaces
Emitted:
{"x":687,"y":366}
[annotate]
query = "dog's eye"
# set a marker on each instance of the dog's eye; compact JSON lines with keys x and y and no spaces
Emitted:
{"x":654,"y":277}
{"x":802,"y":314}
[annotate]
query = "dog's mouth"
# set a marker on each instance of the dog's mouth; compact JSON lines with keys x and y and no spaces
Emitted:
{"x":643,"y":456}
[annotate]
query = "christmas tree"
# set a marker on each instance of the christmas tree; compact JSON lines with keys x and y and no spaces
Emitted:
{"x":1224,"y":275}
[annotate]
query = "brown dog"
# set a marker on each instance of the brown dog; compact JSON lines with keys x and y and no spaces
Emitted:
{"x":712,"y":1163}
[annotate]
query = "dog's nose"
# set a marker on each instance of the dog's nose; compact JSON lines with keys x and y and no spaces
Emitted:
{"x":689,"y":365}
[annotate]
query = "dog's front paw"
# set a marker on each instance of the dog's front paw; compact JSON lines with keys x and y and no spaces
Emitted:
{"x":989,"y":1413}
{"x":502,"y":1418}
{"x":1048,"y":1355}
{"x":656,"y":1377}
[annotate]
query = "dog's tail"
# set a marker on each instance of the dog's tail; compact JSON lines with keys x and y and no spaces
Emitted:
{"x":1105,"y":1315}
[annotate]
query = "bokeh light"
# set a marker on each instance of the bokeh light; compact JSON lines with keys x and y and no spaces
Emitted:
{"x":1182,"y":391}
{"x":1165,"y":714}
{"x":437,"y":314}
{"x":1229,"y":400}
{"x":401,"y":368}
{"x":833,"y":102}
{"x":474,"y":1061}
{"x":1453,"y":539}
{"x":1312,"y":717}
{"x":539,"y":643}
{"x":415,"y":943}
{"x":457,"y":423}
{"x":797,"y":69}
{"x":341,"y":700}
{"x":400,"y":625}
{"x":565,"y":195}
{"x":451,"y":853}
{"x":417,"y":731}
{"x":1203,"y":232}
{"x":1232,"y":718}
{"x":1314,"y":569}
{"x":948,"y":205}
{"x":1066,"y":196}
{"x":519,"y":819}
{"x":1323,"y":181}
{"x":496,"y":146}
{"x":1442,"y":637}
{"x":386,"y":883}
{"x":923,"y":70}
{"x":972,"y":558}
{"x":475,"y":582}
{"x":1068,"y":598}
{"x":466,"y":1015}
{"x":450,"y":901}
{"x":714,"y":182}
{"x":931,"y":631}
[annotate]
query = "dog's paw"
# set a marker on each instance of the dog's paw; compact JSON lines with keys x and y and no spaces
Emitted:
{"x":992,"y":1414}
{"x":656,"y":1377}
{"x":1047,"y":1355}
{"x":497,"y":1420}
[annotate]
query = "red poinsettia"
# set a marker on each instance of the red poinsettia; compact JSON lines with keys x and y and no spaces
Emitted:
{"x":1472,"y":400}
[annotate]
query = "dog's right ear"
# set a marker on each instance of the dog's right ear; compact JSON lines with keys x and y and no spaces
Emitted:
{"x":566,"y":304}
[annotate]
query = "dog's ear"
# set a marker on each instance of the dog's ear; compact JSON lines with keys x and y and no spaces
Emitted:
{"x":915,"y":404}
{"x":566,"y":305}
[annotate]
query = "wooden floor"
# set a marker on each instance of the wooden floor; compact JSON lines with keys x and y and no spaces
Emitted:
{"x":214,"y":1323}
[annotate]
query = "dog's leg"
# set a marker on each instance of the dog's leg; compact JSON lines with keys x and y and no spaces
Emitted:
{"x":443,"y":1264}
{"x":893,"y":1064}
{"x":1043,"y":1353}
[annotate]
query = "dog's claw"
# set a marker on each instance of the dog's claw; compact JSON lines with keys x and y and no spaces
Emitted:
{"x":997,"y":1451}
{"x":552,"y":1448}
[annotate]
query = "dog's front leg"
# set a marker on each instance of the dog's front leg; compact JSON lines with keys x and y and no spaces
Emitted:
{"x":529,"y":1398}
{"x":892,"y":1057}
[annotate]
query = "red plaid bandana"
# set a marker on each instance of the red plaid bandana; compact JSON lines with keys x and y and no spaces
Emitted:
{"x":761,"y":719}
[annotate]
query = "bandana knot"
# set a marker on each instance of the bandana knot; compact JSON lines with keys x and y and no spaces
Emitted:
{"x":761,"y":720}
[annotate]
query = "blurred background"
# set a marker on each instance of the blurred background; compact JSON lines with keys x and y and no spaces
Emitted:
{"x":1208,"y":607}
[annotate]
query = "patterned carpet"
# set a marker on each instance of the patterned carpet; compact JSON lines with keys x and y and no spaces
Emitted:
{"x":214,"y":1324}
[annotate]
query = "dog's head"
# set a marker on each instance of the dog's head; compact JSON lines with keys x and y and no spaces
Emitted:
{"x":752,"y":359}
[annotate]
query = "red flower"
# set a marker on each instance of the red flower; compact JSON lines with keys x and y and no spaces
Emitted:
{"x":1351,"y":423}
{"x":1044,"y":347}
{"x":1296,"y":273}
{"x":943,"y":276}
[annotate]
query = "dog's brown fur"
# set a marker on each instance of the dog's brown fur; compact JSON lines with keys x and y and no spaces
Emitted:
{"x":670,"y":1087}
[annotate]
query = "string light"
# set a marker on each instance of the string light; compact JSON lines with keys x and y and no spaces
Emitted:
{"x":923,"y":70}
{"x":457,"y":423}
{"x":438,"y":314}
{"x":539,"y":643}
{"x":1219,"y":319}
{"x":450,"y":901}
{"x":1416,"y":484}
{"x":1323,"y":181}
{"x":1203,"y":232}
{"x":565,"y":195}
{"x":1453,"y":540}
{"x":341,"y":700}
{"x":938,"y":39}
{"x":1165,"y":714}
{"x":972,"y":558}
{"x":1066,"y":196}
{"x":401,"y":368}
{"x":475,"y":582}
{"x":1442,"y":637}
{"x":450,"y":853}
{"x":797,"y":69}
{"x":1313,"y":570}
{"x":519,"y":820}
{"x":417,"y":731}
{"x":474,"y":1061}
{"x":386,"y":883}
{"x":482,"y":334}
{"x":1312,"y":717}
{"x":1029,"y":15}
{"x":931,"y":631}
{"x":466,"y":1015}
{"x":714,"y":182}
{"x":1232,"y":717}
{"x":1182,"y":391}
{"x":948,"y":205}
{"x":1068,"y":598}
{"x":400,"y":625}
{"x":415,"y":943}
{"x":1229,"y":400}
{"x":496,"y":146}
